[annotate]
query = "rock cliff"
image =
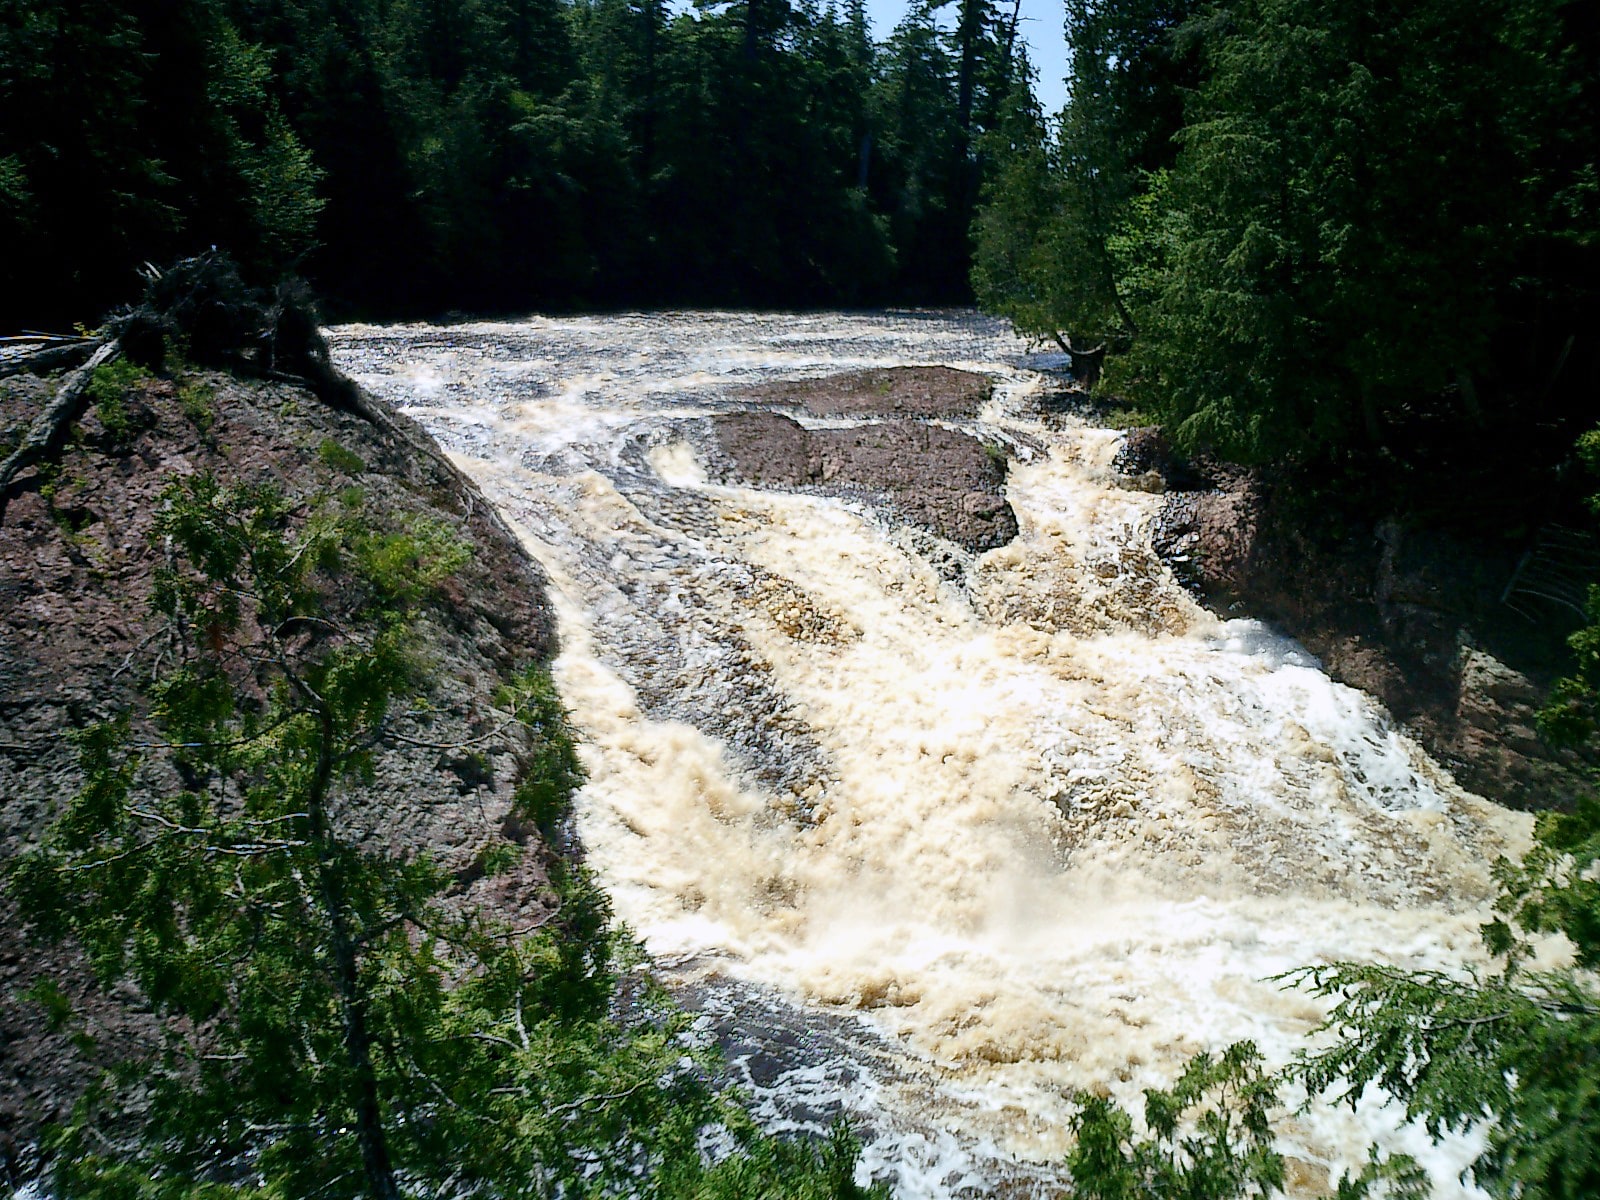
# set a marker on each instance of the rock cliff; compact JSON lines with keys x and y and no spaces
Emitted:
{"x":1412,"y":615}
{"x":78,"y":646}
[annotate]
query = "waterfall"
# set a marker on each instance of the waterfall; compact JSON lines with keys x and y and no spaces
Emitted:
{"x":931,"y":835}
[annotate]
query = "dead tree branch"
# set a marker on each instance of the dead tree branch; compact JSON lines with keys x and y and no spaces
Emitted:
{"x":50,"y":428}
{"x":54,"y":356}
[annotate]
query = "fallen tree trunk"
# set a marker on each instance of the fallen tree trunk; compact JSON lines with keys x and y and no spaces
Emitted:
{"x":51,"y":358}
{"x":49,"y":428}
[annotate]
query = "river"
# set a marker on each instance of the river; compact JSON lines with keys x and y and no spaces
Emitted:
{"x":933,"y":838}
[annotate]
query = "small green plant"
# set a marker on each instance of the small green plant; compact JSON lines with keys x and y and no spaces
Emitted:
{"x":1123,"y":416}
{"x":50,"y":481}
{"x":999,"y":458}
{"x":195,"y":398}
{"x":108,"y":390}
{"x":497,"y":858}
{"x":340,"y":459}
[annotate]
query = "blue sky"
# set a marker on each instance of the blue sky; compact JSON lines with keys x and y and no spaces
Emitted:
{"x":1041,"y":26}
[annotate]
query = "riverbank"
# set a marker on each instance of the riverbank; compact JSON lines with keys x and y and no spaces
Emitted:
{"x":79,"y":645}
{"x":1436,"y":624}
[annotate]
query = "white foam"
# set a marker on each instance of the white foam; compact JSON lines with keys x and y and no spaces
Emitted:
{"x":1046,"y":827}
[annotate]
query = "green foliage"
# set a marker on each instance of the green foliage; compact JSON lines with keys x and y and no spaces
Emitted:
{"x":1052,"y":237}
{"x":998,"y":457}
{"x":108,"y":390}
{"x":805,"y":1170}
{"x":552,"y":772}
{"x":1209,"y":1136}
{"x":1516,"y":1052}
{"x":332,"y":1019}
{"x":1572,"y":713}
{"x":1302,"y":227}
{"x":496,"y":153}
{"x":1310,"y":285}
{"x":197,"y":399}
{"x":130,"y":132}
{"x":340,"y":459}
{"x":1518,"y":1055}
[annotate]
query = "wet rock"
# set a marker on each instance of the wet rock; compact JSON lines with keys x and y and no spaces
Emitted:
{"x":883,"y":392}
{"x":1411,"y":617}
{"x":1207,"y":539}
{"x":1487,"y":682}
{"x":940,"y":480}
{"x":1147,"y":460}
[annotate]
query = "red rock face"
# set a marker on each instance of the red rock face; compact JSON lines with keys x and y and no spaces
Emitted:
{"x":1412,"y":617}
{"x":77,"y":645}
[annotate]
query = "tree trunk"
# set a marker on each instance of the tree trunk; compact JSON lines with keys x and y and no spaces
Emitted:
{"x":1086,"y":364}
{"x":1469,"y":396}
{"x":370,"y":1136}
{"x":1370,"y":417}
{"x":51,"y":358}
{"x":967,"y":33}
{"x":49,"y":429}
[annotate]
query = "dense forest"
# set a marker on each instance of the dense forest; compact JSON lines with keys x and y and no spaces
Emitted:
{"x":1356,"y":237}
{"x":426,"y":155}
{"x":1294,"y":229}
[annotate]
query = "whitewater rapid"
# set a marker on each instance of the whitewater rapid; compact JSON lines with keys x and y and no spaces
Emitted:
{"x":934,"y":838}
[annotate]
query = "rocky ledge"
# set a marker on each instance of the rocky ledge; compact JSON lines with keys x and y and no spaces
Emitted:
{"x":77,"y":644}
{"x":938,"y":479}
{"x":1413,"y":616}
{"x":882,"y":392}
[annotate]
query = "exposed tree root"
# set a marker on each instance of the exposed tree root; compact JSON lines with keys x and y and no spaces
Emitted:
{"x":49,"y":428}
{"x":203,"y":305}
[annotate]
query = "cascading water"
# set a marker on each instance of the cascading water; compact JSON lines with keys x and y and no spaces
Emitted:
{"x":936,"y":837}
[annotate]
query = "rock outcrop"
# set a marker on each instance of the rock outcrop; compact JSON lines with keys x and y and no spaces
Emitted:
{"x":905,"y":392}
{"x":78,"y":644}
{"x":938,"y":479}
{"x":1413,"y":616}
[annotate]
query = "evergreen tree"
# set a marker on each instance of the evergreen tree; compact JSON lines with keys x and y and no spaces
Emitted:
{"x":134,"y":131}
{"x":1349,"y":193}
{"x":1307,"y":230}
{"x":332,"y":1019}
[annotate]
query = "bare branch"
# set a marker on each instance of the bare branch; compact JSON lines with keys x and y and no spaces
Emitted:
{"x":49,"y":429}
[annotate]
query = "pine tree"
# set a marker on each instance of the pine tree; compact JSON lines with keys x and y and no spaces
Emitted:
{"x":332,"y":1018}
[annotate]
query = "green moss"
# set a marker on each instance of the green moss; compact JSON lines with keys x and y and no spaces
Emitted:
{"x":336,"y":456}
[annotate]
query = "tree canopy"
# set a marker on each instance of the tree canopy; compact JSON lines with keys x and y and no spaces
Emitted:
{"x":1300,"y":226}
{"x":496,"y":154}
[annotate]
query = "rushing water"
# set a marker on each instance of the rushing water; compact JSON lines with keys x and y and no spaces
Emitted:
{"x":929,"y":837}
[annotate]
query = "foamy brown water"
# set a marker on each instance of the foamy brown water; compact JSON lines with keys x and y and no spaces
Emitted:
{"x":958,"y":840}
